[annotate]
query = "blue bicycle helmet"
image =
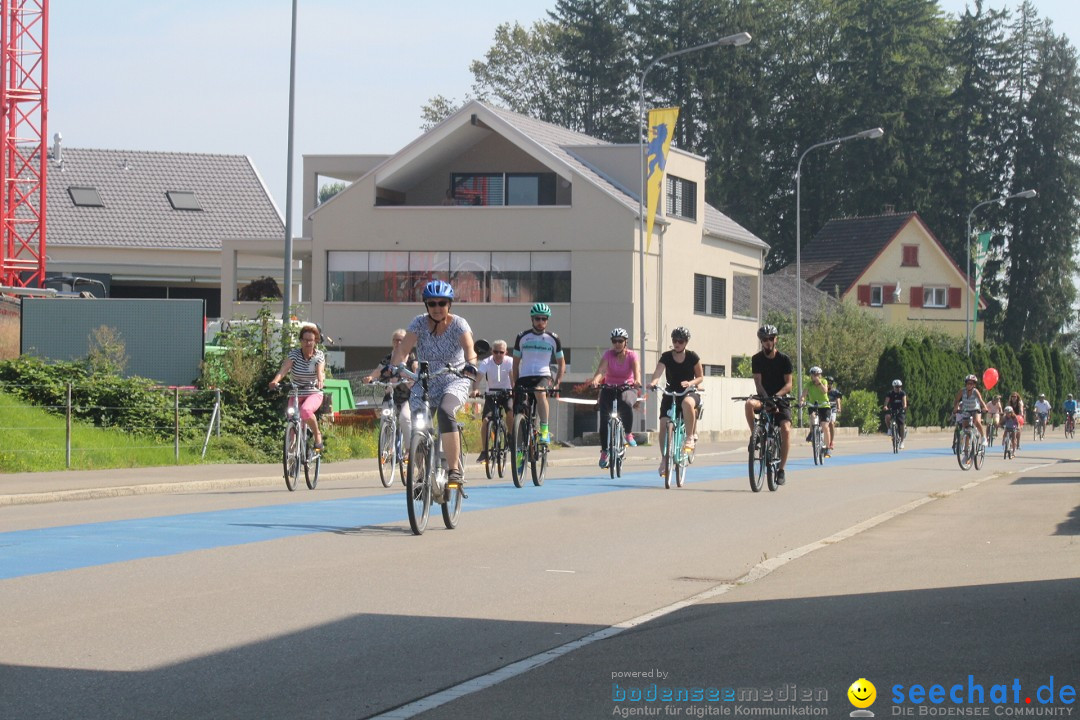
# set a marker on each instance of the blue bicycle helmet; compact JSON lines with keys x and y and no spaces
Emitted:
{"x":438,"y":289}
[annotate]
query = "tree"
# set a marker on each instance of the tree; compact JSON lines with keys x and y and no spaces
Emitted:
{"x":594,"y":52}
{"x":330,"y":190}
{"x":1040,"y":262}
{"x":522,"y":71}
{"x":436,"y":110}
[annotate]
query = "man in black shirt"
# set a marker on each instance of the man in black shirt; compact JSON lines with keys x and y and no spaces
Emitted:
{"x":895,"y":408}
{"x":772,"y":375}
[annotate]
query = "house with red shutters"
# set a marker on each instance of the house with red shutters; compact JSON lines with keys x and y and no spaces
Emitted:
{"x":894,"y":266}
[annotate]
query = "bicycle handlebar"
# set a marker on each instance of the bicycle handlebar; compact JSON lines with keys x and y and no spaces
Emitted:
{"x":672,"y":393}
{"x":402,"y":370}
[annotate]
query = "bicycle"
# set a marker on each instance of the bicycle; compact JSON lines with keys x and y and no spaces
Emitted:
{"x":894,"y":431}
{"x":764,"y":447}
{"x":427,"y":478}
{"x":525,"y":445}
{"x":297,"y":448}
{"x":495,"y":442}
{"x":1070,"y":425}
{"x":1039,"y":426}
{"x":673,"y":448}
{"x":1008,"y":439}
{"x":991,"y":430}
{"x":391,"y":441}
{"x":817,"y":435}
{"x":968,"y":444}
{"x":616,"y":443}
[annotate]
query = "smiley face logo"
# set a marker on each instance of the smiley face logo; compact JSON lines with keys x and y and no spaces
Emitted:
{"x":862,"y":693}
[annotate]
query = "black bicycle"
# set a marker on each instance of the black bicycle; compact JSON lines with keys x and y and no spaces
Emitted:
{"x":764,"y":447}
{"x":525,"y":445}
{"x":817,"y":434}
{"x":495,"y":444}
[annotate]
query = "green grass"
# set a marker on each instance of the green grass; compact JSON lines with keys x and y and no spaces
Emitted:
{"x":32,"y":439}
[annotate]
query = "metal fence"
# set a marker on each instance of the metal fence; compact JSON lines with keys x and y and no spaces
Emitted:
{"x":196,"y":413}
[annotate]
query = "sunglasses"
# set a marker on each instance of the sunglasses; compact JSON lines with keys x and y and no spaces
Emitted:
{"x":437,"y":303}
{"x":617,"y":340}
{"x":540,"y":317}
{"x":769,"y":339}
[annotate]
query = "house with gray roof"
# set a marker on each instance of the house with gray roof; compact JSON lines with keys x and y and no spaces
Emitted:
{"x":895,"y":267}
{"x":512,"y":210}
{"x":151,"y":224}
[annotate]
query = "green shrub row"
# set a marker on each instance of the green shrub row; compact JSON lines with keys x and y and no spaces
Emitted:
{"x":933,"y":374}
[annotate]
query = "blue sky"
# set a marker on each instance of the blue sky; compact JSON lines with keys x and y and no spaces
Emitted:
{"x":213,"y":75}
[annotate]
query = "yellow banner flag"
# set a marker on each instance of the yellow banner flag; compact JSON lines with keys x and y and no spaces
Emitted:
{"x":661,"y":130}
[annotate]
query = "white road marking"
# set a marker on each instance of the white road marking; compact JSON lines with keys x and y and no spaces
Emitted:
{"x":759,"y":571}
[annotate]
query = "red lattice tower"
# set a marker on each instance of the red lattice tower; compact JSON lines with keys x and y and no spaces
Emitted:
{"x":24,"y":63}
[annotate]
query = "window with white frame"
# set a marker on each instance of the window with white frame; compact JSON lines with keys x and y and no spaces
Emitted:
{"x":877,"y":294}
{"x":935,"y":297}
{"x":681,"y":198}
{"x":714,"y":370}
{"x":710,"y":295}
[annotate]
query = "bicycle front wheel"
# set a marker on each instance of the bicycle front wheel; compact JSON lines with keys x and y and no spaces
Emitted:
{"x":757,"y":459}
{"x":291,"y":455}
{"x":896,"y":439}
{"x":519,"y":450}
{"x":489,"y":445}
{"x":615,"y":448}
{"x":388,"y":459}
{"x":978,"y":454}
{"x":418,"y":484}
{"x":772,"y":462}
{"x":965,"y":450}
{"x":668,"y":456}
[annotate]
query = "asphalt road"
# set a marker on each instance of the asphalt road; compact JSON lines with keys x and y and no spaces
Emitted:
{"x":584,"y":598}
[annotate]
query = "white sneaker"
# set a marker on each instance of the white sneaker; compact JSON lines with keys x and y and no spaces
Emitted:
{"x":901,"y":444}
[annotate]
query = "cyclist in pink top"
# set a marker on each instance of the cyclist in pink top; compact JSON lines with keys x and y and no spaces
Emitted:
{"x":618,"y":366}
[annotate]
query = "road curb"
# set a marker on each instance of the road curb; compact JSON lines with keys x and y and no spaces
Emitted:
{"x":184,"y":486}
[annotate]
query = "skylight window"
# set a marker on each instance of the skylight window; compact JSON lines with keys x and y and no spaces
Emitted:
{"x":183,"y":200}
{"x":85,"y":197}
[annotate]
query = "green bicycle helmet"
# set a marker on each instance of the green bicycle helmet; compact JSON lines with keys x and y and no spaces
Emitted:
{"x":540,"y":309}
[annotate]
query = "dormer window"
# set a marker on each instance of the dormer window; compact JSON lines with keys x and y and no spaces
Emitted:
{"x":85,"y":197}
{"x":183,"y":200}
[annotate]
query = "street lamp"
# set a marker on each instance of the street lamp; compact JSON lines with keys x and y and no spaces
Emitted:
{"x":286,"y":292}
{"x":871,"y":134}
{"x":734,"y":40}
{"x":969,"y":313}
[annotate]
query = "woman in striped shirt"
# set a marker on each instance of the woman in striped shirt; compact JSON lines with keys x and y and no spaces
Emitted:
{"x":307,"y":366}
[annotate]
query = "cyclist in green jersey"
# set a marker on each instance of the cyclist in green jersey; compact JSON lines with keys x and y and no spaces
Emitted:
{"x":817,"y":392}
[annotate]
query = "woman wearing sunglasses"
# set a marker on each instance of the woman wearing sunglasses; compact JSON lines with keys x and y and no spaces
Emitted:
{"x":441,"y":338}
{"x":618,"y":368}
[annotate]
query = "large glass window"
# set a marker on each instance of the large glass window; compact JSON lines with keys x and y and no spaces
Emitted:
{"x":503,"y":188}
{"x":744,"y":296}
{"x":499,"y":277}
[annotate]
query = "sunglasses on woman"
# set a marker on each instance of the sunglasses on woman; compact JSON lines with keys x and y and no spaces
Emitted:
{"x":437,"y":303}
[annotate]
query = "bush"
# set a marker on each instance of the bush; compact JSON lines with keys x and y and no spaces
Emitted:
{"x":861,"y":410}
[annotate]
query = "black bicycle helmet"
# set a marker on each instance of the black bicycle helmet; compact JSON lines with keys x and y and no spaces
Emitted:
{"x":680,"y":333}
{"x":766,"y":331}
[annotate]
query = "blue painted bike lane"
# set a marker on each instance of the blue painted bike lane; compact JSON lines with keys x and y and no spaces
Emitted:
{"x":55,"y":549}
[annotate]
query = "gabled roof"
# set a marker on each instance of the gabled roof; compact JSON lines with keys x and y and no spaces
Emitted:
{"x":778,"y":294}
{"x":550,"y":144}
{"x":137,"y":212}
{"x":845,"y":247}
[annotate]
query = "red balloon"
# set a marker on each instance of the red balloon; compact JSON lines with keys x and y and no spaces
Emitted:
{"x":990,"y":377}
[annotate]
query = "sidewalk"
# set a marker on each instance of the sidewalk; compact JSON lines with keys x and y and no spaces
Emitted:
{"x":43,"y":487}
